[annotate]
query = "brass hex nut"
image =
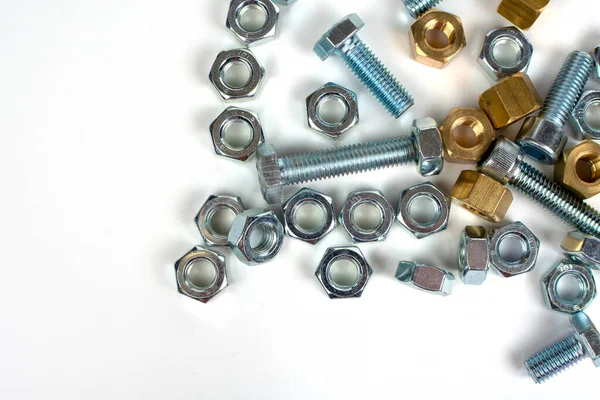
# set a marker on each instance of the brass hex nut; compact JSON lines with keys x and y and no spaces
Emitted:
{"x":579,"y":169}
{"x":450,"y":25}
{"x":510,"y":100}
{"x":459,"y":151}
{"x":482,"y":195}
{"x":522,"y":13}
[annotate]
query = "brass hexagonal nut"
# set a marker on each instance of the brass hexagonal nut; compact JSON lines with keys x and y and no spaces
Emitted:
{"x":579,"y":169}
{"x":522,"y":13}
{"x":462,"y":151}
{"x":428,"y":54}
{"x":482,"y":195}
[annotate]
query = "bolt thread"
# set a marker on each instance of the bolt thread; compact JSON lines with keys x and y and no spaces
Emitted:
{"x":567,"y":87}
{"x":346,"y":160}
{"x":555,"y":359}
{"x":416,"y":8}
{"x":373,"y":74}
{"x":556,"y":199}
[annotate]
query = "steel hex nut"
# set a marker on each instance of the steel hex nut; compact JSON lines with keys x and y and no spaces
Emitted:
{"x":588,"y":336}
{"x":336,"y":289}
{"x":429,"y":146}
{"x":482,"y":195}
{"x":261,"y":222}
{"x":251,"y":38}
{"x":425,"y":277}
{"x":496,"y":69}
{"x":186,"y":286}
{"x":303,"y":197}
{"x":587,"y":287}
{"x":582,"y":248}
{"x":224,"y":60}
{"x":331,"y":91}
{"x":233,"y":115}
{"x":473,"y":255}
{"x":568,"y":172}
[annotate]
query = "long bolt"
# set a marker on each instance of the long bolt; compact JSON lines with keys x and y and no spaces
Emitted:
{"x":505,"y":164}
{"x":342,"y":40}
{"x":416,"y":8}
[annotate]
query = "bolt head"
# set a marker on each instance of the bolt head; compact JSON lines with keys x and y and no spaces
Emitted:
{"x":502,"y":162}
{"x":269,"y":174}
{"x":334,"y":38}
{"x":542,"y":139}
{"x":588,"y":336}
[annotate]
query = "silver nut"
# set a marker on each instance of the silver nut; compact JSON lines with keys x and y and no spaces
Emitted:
{"x":416,"y":226}
{"x":473,"y":255}
{"x":588,"y":336}
{"x":584,"y":249}
{"x":200,"y":291}
{"x":542,"y":139}
{"x":429,"y":146}
{"x":338,"y":35}
{"x":585,"y":279}
{"x":252,"y":36}
{"x":269,"y":174}
{"x":496,"y":69}
{"x":309,"y":197}
{"x":225,"y":121}
{"x":375,"y":232}
{"x":529,"y":249}
{"x":263,"y":225}
{"x":597,"y":61}
{"x":204,"y":218}
{"x":425,"y":277}
{"x":224,"y":61}
{"x":346,"y":284}
{"x":503,"y":161}
{"x":328,"y":92}
{"x":284,"y":2}
{"x":579,"y":121}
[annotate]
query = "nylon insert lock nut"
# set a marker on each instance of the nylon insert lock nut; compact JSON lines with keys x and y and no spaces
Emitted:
{"x":578,"y":169}
{"x":522,"y":13}
{"x":482,"y":195}
{"x":462,"y":150}
{"x":425,"y":277}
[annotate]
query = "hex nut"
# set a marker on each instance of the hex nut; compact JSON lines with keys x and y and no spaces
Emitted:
{"x":421,"y":229}
{"x":522,"y":13}
{"x":327,"y":92}
{"x":473,"y":255}
{"x":334,"y":38}
{"x":303,"y":197}
{"x":482,"y":195}
{"x":587,"y":287}
{"x":584,"y":249}
{"x":184,"y":265}
{"x":252,"y":37}
{"x":204,"y":217}
{"x":425,"y":53}
{"x":530,"y":246}
{"x":579,"y":122}
{"x":596,"y":54}
{"x":510,"y":100}
{"x":566,"y":170}
{"x":259,"y":221}
{"x":234,"y":115}
{"x":429,"y":146}
{"x":425,"y":277}
{"x":339,"y":290}
{"x":497,"y":69}
{"x":227,"y":58}
{"x":588,"y":336}
{"x":480,"y":124}
{"x":374,"y":198}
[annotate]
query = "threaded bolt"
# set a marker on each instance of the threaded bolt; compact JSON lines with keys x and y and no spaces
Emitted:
{"x":342,"y":40}
{"x":416,"y":8}
{"x":542,"y":137}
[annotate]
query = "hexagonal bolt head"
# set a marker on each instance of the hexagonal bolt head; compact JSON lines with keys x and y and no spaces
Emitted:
{"x":332,"y":91}
{"x":587,"y":287}
{"x":425,"y":277}
{"x":568,"y":171}
{"x":262,"y":223}
{"x":582,"y":248}
{"x":473,"y":255}
{"x":588,"y":335}
{"x":252,"y":37}
{"x":481,"y":195}
{"x":220,"y":125}
{"x":337,"y":36}
{"x":542,"y":139}
{"x":187,"y":287}
{"x":339,"y":290}
{"x":429,"y":146}
{"x":522,"y":13}
{"x":497,"y":70}
{"x":303,"y":197}
{"x":204,"y":218}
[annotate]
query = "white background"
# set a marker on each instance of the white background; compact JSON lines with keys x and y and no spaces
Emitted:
{"x":105,"y":158}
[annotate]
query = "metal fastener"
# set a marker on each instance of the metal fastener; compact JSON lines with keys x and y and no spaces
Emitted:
{"x":416,"y":8}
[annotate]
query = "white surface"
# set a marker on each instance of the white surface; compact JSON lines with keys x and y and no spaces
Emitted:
{"x":105,"y":158}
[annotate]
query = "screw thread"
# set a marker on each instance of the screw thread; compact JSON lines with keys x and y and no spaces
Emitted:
{"x":416,"y":8}
{"x":556,"y":199}
{"x":375,"y":76}
{"x":555,"y":359}
{"x":347,"y":160}
{"x":567,"y":88}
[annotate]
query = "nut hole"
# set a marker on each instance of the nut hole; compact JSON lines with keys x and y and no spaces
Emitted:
{"x":512,"y":248}
{"x":263,"y":239}
{"x":506,"y":52}
{"x":367,"y":217}
{"x":235,"y":74}
{"x":439,"y":34}
{"x":467,"y":133}
{"x":309,"y":217}
{"x":571,"y":288}
{"x":201,"y":274}
{"x":344,"y":273}
{"x":587,"y":168}
{"x":237,"y":134}
{"x":424,"y":210}
{"x":592,"y":115}
{"x":252,"y":17}
{"x":219,"y":221}
{"x":332,"y":110}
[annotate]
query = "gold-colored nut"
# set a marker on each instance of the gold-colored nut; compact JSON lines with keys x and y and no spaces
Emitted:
{"x":437,"y":55}
{"x":482,"y":195}
{"x":467,"y":133}
{"x":522,"y":13}
{"x":579,"y":169}
{"x":510,"y":100}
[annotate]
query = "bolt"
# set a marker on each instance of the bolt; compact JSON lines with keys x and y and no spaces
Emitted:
{"x":542,"y":137}
{"x":416,"y":8}
{"x":505,"y":164}
{"x":342,"y":41}
{"x":567,"y":352}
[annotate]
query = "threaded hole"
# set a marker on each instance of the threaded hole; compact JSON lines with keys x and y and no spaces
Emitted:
{"x":263,"y":239}
{"x":235,"y":74}
{"x":343,"y":273}
{"x":332,"y":110}
{"x":512,"y":248}
{"x":439,"y":34}
{"x":367,"y":217}
{"x":467,"y":132}
{"x":587,"y":168}
{"x":570,"y":288}
{"x":237,"y":134}
{"x":252,"y":17}
{"x":506,"y":52}
{"x":592,"y":115}
{"x":309,"y":216}
{"x":201,"y":274}
{"x":219,"y":220}
{"x":424,"y":210}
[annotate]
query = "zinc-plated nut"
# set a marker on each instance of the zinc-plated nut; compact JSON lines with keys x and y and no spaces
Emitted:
{"x":327,"y":92}
{"x":205,"y":216}
{"x":530,"y":246}
{"x":261,"y":222}
{"x":184,"y":265}
{"x":473,"y":255}
{"x":569,"y":172}
{"x":522,"y":13}
{"x":370,"y":197}
{"x":584,"y":249}
{"x":587,"y":287}
{"x":496,"y":69}
{"x":303,"y":197}
{"x":596,"y":54}
{"x":510,"y":100}
{"x":480,"y":124}
{"x":429,"y":146}
{"x":435,"y":57}
{"x":482,"y":195}
{"x":339,"y":290}
{"x":225,"y":60}
{"x":421,"y":229}
{"x":579,"y":121}
{"x":234,"y":115}
{"x":252,"y":37}
{"x":425,"y":277}
{"x":587,"y":335}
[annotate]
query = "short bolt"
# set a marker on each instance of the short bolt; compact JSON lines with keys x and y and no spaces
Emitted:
{"x":416,"y":8}
{"x":505,"y":164}
{"x":542,"y":137}
{"x":342,"y":40}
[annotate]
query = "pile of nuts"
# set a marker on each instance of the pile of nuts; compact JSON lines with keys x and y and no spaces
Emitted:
{"x":256,"y":235}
